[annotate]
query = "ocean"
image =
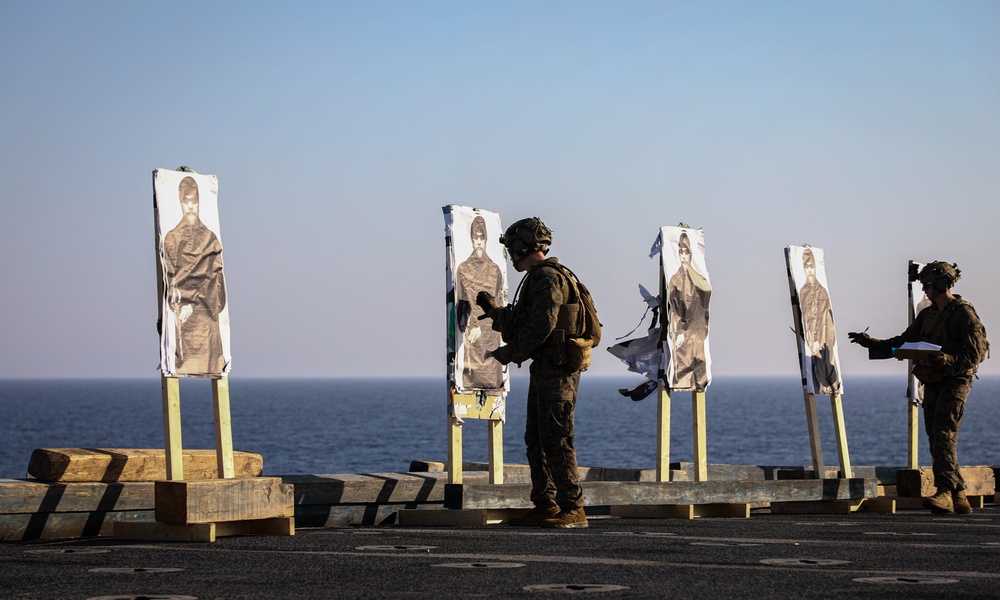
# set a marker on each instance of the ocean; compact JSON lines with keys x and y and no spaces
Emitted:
{"x":322,"y":426}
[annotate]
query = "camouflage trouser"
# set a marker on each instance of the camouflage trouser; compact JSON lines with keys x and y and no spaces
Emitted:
{"x":548,"y":435}
{"x":944,"y":405}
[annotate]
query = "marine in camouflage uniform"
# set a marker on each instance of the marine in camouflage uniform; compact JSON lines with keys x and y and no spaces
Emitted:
{"x":533,"y":329}
{"x":952,"y":323}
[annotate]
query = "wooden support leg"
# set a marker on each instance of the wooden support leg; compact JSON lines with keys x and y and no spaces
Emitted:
{"x":841,"y":432}
{"x":223,"y":428}
{"x":700,"y":442}
{"x":496,"y":451}
{"x":814,"y":442}
{"x":454,"y":451}
{"x":172,"y":445}
{"x":913,"y":460}
{"x":663,"y":437}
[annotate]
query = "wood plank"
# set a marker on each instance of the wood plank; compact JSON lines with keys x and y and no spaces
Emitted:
{"x":496,"y":451}
{"x":812,"y":423}
{"x":445,"y":518}
{"x":679,"y":492}
{"x":25,"y":496}
{"x":979,"y":481}
{"x":173,"y":446}
{"x":382,"y":488}
{"x":840,"y":433}
{"x":819,"y":507}
{"x":912,"y":434}
{"x":455,"y":472}
{"x":521,"y":473}
{"x":223,"y":428}
{"x":214,"y":500}
{"x":700,"y":436}
{"x":165,"y":532}
{"x":275,"y":526}
{"x":348,"y":515}
{"x":681,"y":511}
{"x":882,"y":505}
{"x":662,"y":425}
{"x":130,"y":464}
{"x":47,"y":526}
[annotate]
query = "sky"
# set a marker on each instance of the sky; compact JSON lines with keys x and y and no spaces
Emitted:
{"x":338,"y":130}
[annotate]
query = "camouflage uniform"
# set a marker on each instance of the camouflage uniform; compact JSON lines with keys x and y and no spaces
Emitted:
{"x":532,"y":328}
{"x":959,"y":332}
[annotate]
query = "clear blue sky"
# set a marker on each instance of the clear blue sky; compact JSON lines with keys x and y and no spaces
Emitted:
{"x":339,"y":129}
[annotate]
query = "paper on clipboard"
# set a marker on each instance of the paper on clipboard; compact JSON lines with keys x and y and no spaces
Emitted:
{"x":916,"y":351}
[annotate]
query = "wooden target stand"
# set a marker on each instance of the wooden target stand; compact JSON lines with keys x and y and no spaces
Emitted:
{"x":700,"y":442}
{"x":812,"y":423}
{"x":477,"y":406}
{"x":201,"y":510}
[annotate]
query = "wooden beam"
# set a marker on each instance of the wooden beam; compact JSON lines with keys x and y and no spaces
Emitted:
{"x":700,"y":436}
{"x":172,"y":428}
{"x":840,"y":432}
{"x":815,"y":445}
{"x":913,"y":434}
{"x":45,"y":526}
{"x":223,"y":428}
{"x":681,"y":511}
{"x":131,"y":464}
{"x":678,"y":492}
{"x":979,"y":481}
{"x":454,"y":450}
{"x":663,"y":432}
{"x":213,"y":500}
{"x":496,"y":451}
{"x":820,"y":507}
{"x":445,"y":517}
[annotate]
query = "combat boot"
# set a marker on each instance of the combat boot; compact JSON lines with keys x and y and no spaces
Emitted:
{"x":568,"y":519}
{"x":534,"y":517}
{"x":961,"y":503}
{"x":941,"y":503}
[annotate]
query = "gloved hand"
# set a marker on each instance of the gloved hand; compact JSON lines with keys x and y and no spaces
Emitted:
{"x":862,"y":339}
{"x":501,"y":354}
{"x":485,"y":301}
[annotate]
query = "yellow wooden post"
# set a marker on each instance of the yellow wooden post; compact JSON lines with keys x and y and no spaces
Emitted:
{"x":814,"y":442}
{"x":496,"y":451}
{"x":173,"y":448}
{"x":700,"y":436}
{"x":841,"y":433}
{"x":223,"y":428}
{"x":454,"y":450}
{"x":913,"y":460}
{"x":663,"y":433}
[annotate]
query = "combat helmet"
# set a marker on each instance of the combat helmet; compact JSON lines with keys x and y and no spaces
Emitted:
{"x":941,"y":274}
{"x":527,"y":236}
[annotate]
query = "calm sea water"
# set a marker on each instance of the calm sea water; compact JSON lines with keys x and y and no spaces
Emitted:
{"x":372,"y":425}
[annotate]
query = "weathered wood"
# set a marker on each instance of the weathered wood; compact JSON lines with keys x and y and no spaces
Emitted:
{"x":130,"y":464}
{"x":455,"y":472}
{"x":819,"y":507}
{"x":882,"y":505}
{"x":47,"y":526}
{"x":680,"y":492}
{"x":812,"y":423}
{"x":223,"y":428}
{"x":173,"y":444}
{"x":214,"y":500}
{"x":165,"y":532}
{"x":662,"y":423}
{"x":25,"y":496}
{"x":380,"y":488}
{"x":445,"y":517}
{"x":681,"y":511}
{"x":519,"y":473}
{"x":840,"y":433}
{"x":979,"y":481}
{"x":348,"y":515}
{"x":912,"y":434}
{"x":700,"y":436}
{"x":496,"y":451}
